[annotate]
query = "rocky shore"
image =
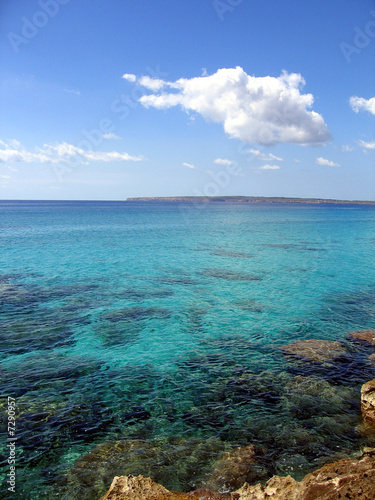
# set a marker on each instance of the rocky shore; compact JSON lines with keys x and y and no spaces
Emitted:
{"x":350,"y":478}
{"x":240,"y":474}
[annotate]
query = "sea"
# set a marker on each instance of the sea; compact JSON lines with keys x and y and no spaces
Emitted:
{"x":144,"y":338}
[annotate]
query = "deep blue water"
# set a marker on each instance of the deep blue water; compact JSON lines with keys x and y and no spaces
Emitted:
{"x":152,"y":322}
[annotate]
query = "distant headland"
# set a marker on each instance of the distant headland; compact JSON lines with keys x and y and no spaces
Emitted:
{"x":248,"y":199}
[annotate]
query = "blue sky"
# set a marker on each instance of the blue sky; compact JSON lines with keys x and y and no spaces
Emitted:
{"x":113,"y":99}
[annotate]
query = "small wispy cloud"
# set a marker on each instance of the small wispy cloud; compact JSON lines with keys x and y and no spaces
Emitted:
{"x":129,"y":77}
{"x":5,"y":176}
{"x":259,"y":155}
{"x":223,"y":161}
{"x":12,"y":169}
{"x":13,"y":151}
{"x":346,"y":148}
{"x":367,"y":145}
{"x":110,"y":136}
{"x":325,"y":162}
{"x":296,"y":160}
{"x":189,"y":165}
{"x":72,"y":91}
{"x":269,"y":167}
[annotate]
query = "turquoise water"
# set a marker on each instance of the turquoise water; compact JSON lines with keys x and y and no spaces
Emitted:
{"x":159,"y":321}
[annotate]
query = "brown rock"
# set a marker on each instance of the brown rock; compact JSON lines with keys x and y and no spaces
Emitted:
{"x":206,"y":494}
{"x":372,"y":358}
{"x":368,"y":401}
{"x":315,"y":350}
{"x":343,"y":479}
{"x":141,"y":488}
{"x":236,"y":467}
{"x":277,"y":488}
{"x":350,"y":478}
{"x":366,"y":335}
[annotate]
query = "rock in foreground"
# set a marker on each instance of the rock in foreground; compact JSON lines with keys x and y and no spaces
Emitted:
{"x":368,"y":403}
{"x":349,"y":478}
{"x":140,"y":488}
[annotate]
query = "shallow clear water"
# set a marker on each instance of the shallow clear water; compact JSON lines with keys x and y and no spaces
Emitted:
{"x":155,"y":322}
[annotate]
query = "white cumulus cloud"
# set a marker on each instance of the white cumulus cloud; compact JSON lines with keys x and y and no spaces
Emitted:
{"x":361,"y":104}
{"x":325,"y":162}
{"x":367,"y":145}
{"x":258,"y":110}
{"x":13,"y":151}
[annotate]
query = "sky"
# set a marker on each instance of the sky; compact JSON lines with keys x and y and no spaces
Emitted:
{"x":105,"y":100}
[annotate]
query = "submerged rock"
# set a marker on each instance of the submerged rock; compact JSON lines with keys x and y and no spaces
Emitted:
{"x":236,"y":467}
{"x":320,"y":351}
{"x":177,"y":463}
{"x":365,"y":335}
{"x":368,"y":401}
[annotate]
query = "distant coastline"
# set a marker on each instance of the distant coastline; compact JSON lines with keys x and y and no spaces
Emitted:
{"x":248,"y":199}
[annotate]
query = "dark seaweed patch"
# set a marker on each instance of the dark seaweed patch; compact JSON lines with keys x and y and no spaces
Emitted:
{"x":231,"y":253}
{"x":229,"y":275}
{"x":139,"y":295}
{"x":118,"y":333}
{"x":250,"y":305}
{"x":26,"y":333}
{"x":349,"y":310}
{"x":282,"y":246}
{"x":176,"y":280}
{"x":18,"y":298}
{"x":137,"y":314}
